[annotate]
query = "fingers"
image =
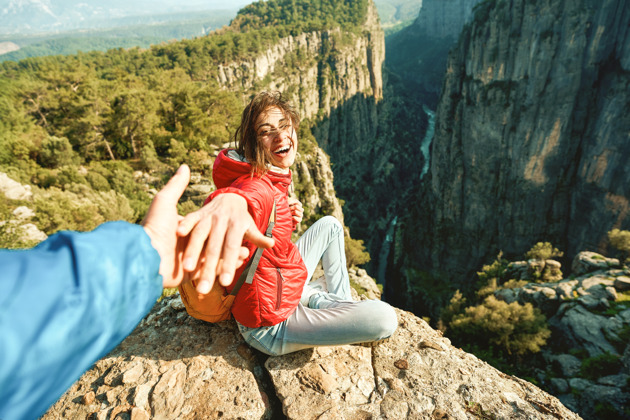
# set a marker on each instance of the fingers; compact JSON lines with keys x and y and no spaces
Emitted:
{"x":297,"y":211}
{"x":216,"y":233}
{"x":189,"y":222}
{"x":254,"y":236}
{"x":175,"y":187}
{"x":166,"y":200}
{"x":204,"y":286}
{"x":224,"y":243}
{"x":197,"y":240}
{"x":217,"y":238}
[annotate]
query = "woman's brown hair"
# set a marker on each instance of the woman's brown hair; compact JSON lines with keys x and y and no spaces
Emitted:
{"x":246,"y":137}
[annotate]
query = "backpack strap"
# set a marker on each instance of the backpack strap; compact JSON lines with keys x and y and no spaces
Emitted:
{"x":247,"y":276}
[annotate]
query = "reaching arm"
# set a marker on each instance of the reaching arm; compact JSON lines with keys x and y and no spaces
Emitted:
{"x":73,"y":298}
{"x":66,"y":304}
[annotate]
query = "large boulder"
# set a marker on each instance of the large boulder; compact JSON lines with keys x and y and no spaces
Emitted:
{"x":173,"y":366}
{"x":587,"y":262}
{"x":582,"y":329}
{"x":13,"y":190}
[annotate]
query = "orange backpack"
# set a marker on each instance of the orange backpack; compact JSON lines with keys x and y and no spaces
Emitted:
{"x":215,"y":306}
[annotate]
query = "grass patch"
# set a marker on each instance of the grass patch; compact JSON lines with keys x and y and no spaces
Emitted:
{"x":599,"y":366}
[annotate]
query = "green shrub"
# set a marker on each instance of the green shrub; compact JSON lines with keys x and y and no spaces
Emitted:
{"x":543,"y":251}
{"x":177,"y":153}
{"x":605,"y":410}
{"x":491,"y":277}
{"x":97,"y":181}
{"x":496,"y":270}
{"x":79,"y":208}
{"x":578,"y":352}
{"x":517,"y":329}
{"x":56,"y":152}
{"x":620,"y":239}
{"x":149,"y":157}
{"x":187,"y":207}
{"x":456,"y":305}
{"x":514,"y":284}
{"x":355,"y":252}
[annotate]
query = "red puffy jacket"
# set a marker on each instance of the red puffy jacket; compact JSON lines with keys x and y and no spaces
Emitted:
{"x":277,"y":287}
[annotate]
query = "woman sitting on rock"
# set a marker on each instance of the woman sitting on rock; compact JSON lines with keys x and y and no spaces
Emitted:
{"x":279,"y":312}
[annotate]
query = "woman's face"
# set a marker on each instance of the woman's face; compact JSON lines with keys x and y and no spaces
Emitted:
{"x":277,"y":135}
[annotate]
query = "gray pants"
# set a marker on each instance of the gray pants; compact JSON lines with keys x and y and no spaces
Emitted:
{"x":325,"y":318}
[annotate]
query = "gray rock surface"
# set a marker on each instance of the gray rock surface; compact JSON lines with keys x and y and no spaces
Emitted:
{"x":583,"y":330}
{"x":173,"y":366}
{"x":587,"y":262}
{"x":568,"y":365}
{"x":444,"y":18}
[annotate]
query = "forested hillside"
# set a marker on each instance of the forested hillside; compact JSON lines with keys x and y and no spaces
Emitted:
{"x":95,"y":133}
{"x":188,"y":25}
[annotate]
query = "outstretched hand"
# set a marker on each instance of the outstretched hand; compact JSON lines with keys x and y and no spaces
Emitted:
{"x":216,"y":233}
{"x":161,"y":222}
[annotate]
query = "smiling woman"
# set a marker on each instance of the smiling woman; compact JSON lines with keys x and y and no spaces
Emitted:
{"x":279,"y":312}
{"x":278,"y":137}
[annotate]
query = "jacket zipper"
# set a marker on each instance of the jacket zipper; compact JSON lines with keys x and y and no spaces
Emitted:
{"x":279,"y":288}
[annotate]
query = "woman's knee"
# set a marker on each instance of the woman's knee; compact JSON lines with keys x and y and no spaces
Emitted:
{"x":382,"y":319}
{"x":331,"y":223}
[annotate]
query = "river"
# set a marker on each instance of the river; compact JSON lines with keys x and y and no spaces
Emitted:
{"x":425,"y":148}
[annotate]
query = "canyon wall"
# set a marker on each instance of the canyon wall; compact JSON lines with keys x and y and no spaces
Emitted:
{"x":318,"y":70}
{"x":531,"y":138}
{"x":443,"y":18}
{"x":418,"y":52}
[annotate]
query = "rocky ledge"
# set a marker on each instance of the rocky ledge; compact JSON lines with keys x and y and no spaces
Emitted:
{"x":588,"y":354}
{"x":173,"y":366}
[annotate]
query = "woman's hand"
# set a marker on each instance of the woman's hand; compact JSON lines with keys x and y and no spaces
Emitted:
{"x":216,"y":232}
{"x":297,"y":211}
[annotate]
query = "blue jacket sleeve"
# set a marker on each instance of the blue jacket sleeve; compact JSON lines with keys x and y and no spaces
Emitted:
{"x":65,"y":304}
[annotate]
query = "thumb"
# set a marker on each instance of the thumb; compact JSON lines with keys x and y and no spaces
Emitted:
{"x":253,"y":235}
{"x":175,"y":187}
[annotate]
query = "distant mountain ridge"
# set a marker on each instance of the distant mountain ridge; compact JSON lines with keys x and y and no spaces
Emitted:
{"x":37,"y":16}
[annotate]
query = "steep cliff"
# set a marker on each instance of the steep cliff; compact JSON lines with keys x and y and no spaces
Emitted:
{"x":530,"y":139}
{"x":444,"y":18}
{"x":318,"y":70}
{"x":418,"y":52}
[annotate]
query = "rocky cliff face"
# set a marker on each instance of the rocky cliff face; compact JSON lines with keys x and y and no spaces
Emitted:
{"x":444,"y":18}
{"x":329,"y":67}
{"x":531,"y":136}
{"x":418,"y":52}
{"x":173,"y":366}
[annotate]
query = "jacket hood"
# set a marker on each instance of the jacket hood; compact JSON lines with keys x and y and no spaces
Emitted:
{"x":229,"y":166}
